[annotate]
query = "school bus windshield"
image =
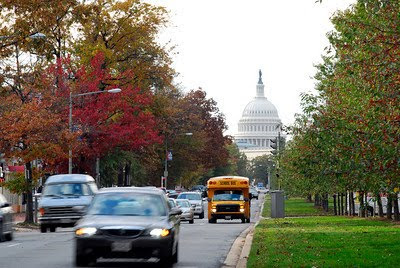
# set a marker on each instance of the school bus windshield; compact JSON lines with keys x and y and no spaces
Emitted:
{"x":228,"y":195}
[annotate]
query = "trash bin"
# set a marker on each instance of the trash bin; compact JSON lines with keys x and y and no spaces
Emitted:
{"x":277,"y":204}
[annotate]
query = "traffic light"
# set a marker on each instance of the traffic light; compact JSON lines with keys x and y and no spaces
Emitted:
{"x":274,"y":145}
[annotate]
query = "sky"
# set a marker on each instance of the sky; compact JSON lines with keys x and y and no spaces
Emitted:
{"x":221,"y":45}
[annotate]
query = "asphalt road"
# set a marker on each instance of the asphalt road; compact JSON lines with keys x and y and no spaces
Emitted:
{"x":201,"y":245}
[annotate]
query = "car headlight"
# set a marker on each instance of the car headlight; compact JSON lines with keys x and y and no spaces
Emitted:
{"x":159,"y":232}
{"x":86,"y":231}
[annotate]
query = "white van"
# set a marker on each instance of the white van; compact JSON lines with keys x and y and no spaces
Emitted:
{"x":64,"y":200}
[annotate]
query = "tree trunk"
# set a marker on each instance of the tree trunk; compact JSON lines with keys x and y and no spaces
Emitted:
{"x":380,"y":207}
{"x":309,"y":198}
{"x":351,"y":203}
{"x":361,"y":200}
{"x":389,"y":206}
{"x":29,"y":201}
{"x":120,"y":176}
{"x":128,"y":174}
{"x":396,"y":215}
{"x":342,"y":203}
{"x":334,"y":205}
{"x":346,"y":204}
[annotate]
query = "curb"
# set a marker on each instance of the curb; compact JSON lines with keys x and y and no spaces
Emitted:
{"x":240,"y":250}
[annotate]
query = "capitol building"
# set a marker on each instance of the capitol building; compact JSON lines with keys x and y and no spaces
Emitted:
{"x":259,"y":123}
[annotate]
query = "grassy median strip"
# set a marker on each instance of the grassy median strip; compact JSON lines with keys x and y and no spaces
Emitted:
{"x":325,"y":242}
{"x":295,"y":207}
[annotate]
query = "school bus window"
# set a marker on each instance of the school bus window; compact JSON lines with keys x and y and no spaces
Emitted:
{"x":225,"y":195}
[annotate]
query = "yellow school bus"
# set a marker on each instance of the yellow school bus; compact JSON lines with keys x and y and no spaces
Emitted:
{"x":228,"y":198}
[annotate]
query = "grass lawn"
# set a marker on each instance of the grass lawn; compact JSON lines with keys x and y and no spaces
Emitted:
{"x":329,"y":241}
{"x":295,"y":207}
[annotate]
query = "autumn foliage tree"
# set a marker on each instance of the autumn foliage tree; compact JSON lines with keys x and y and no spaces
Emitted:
{"x":348,"y":137}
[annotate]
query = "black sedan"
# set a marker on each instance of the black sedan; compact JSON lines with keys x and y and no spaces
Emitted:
{"x":6,"y":220}
{"x":129,"y":222}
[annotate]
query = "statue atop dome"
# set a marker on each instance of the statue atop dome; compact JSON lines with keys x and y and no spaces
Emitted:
{"x":260,"y":77}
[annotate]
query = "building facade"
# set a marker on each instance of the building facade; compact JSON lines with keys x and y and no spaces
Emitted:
{"x":259,"y":123}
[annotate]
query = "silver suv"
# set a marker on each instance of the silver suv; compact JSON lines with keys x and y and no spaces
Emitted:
{"x":195,"y":200}
{"x":64,"y":200}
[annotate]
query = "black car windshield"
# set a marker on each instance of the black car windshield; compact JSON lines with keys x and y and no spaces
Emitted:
{"x":227,"y":195}
{"x":66,"y":189}
{"x":189,"y":196}
{"x":127,"y":204}
{"x":183,"y":203}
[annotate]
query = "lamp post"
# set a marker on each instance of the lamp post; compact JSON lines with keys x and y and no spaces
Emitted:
{"x":164,"y":178}
{"x":114,"y":90}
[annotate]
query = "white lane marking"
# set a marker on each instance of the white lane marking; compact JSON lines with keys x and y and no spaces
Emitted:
{"x":13,"y":245}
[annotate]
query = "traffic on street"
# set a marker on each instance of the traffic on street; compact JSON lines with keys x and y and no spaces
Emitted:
{"x":200,"y":245}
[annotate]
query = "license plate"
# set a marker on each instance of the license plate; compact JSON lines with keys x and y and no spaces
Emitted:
{"x":227,"y":217}
{"x":121,"y":246}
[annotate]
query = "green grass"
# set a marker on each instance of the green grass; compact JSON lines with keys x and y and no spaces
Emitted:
{"x":295,"y":207}
{"x":325,"y":242}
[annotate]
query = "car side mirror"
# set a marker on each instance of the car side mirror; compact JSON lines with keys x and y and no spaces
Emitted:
{"x":175,"y":211}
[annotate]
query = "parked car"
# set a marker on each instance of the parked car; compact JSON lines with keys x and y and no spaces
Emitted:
{"x":254,"y":193}
{"x":64,"y":200}
{"x":195,"y":200}
{"x":187,"y":210}
{"x":6,"y":220}
{"x":128,"y":222}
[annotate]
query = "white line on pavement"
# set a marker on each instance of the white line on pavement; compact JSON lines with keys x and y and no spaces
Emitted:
{"x":13,"y":245}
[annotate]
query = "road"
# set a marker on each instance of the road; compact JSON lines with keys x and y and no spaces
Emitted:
{"x":201,"y":245}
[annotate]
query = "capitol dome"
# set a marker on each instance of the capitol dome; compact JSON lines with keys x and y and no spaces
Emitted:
{"x":259,"y":124}
{"x":260,"y":107}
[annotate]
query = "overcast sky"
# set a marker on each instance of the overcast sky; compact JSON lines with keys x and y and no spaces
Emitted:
{"x":223,"y":43}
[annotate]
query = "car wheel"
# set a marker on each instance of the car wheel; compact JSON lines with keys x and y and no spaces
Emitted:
{"x":201,"y":216}
{"x":168,"y":261}
{"x":8,"y":237}
{"x":82,"y":260}
{"x":175,"y":256}
{"x":191,"y":221}
{"x":243,"y":220}
{"x":52,"y":229}
{"x":43,"y":228}
{"x":248,"y":220}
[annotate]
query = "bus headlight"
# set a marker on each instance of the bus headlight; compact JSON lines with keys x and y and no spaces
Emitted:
{"x":214,"y":210}
{"x":242,"y":210}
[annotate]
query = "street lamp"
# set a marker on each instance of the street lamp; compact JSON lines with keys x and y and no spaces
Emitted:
{"x":164,"y":178}
{"x":114,"y":90}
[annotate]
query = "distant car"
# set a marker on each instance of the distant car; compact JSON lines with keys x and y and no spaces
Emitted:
{"x":187,"y":210}
{"x":200,"y":188}
{"x":262,"y":189}
{"x":254,"y":193}
{"x":172,"y":193}
{"x":6,"y":223}
{"x":172,"y":203}
{"x":195,"y":200}
{"x":128,"y":222}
